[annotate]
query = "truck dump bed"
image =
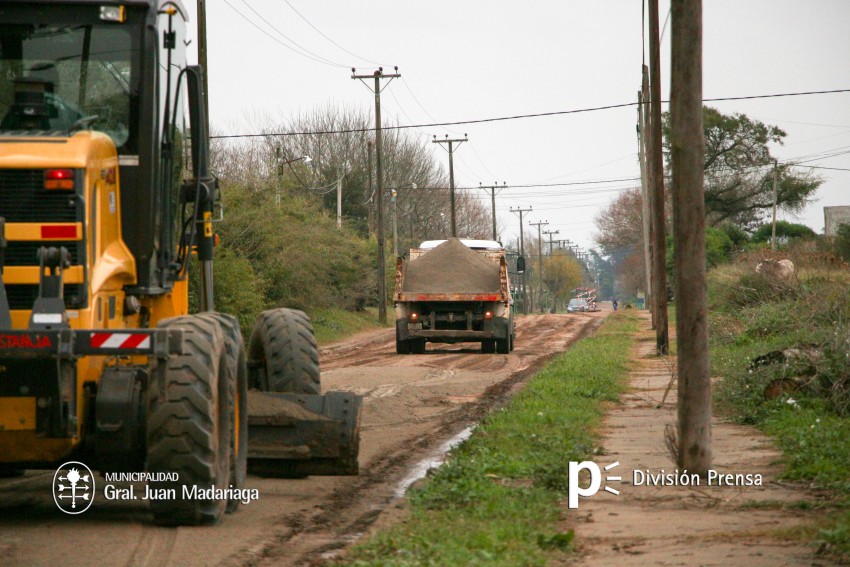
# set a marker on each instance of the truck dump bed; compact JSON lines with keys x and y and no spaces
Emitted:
{"x":452,"y":272}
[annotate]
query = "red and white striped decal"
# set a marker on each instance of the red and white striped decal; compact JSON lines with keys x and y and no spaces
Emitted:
{"x":120,"y":340}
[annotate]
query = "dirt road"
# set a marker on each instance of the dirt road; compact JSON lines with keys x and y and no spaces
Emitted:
{"x":413,"y":405}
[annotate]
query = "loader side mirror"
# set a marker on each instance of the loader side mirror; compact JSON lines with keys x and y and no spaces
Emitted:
{"x":520,"y":264}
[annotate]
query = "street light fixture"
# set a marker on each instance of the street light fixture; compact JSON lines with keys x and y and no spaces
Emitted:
{"x":280,"y":164}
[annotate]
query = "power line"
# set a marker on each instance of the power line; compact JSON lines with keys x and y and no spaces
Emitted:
{"x":328,"y":38}
{"x":519,"y":116}
{"x":307,"y":53}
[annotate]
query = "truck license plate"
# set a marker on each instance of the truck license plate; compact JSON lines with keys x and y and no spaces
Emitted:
{"x":414,"y":326}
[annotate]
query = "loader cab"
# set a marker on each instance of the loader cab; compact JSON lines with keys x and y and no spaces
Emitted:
{"x":69,"y":67}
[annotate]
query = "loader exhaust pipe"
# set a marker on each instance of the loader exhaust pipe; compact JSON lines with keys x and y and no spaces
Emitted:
{"x":206,"y":185}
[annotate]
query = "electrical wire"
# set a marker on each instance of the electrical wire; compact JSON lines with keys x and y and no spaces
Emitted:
{"x":516,"y":116}
{"x":331,"y":40}
{"x":307,"y":53}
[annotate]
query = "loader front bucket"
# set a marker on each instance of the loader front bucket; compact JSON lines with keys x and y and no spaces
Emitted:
{"x":298,"y":435}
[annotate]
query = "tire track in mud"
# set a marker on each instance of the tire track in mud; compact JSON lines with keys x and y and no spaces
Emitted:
{"x":414,"y":403}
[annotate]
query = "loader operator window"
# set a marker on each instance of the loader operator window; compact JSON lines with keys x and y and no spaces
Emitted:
{"x":57,"y":79}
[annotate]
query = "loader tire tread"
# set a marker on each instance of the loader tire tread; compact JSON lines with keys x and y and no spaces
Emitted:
{"x":283,"y":341}
{"x":187,"y":432}
{"x":234,"y":348}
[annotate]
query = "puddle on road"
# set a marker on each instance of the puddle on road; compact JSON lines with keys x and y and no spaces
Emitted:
{"x":433,"y":461}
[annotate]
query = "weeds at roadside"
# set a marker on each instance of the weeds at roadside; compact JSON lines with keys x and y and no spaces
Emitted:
{"x":783,"y":351}
{"x":497,"y":501}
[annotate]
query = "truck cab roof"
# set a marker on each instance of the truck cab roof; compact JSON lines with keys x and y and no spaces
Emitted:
{"x":468,"y":242}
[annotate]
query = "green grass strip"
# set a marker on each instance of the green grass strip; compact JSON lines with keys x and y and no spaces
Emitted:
{"x":499,"y":498}
{"x":334,"y":324}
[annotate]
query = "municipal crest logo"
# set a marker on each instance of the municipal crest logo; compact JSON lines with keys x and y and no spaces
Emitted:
{"x":73,"y":487}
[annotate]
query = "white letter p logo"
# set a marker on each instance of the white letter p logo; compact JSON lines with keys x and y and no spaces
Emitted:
{"x":575,"y":490}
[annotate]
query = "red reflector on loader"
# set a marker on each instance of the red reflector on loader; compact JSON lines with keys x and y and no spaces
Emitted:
{"x":62,"y":179}
{"x":120,"y":340}
{"x":60,"y":231}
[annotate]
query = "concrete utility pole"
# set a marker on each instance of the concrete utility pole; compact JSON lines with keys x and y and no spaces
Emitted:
{"x":339,"y":203}
{"x":550,"y":233}
{"x":519,"y":212}
{"x":382,"y":261}
{"x":775,"y":198}
{"x":644,"y":186}
{"x":688,"y":154}
{"x":656,"y":167}
{"x":450,"y":143}
{"x":492,"y":189}
{"x":539,"y":225}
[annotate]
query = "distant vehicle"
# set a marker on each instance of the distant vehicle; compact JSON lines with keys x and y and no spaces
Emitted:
{"x":578,"y":306}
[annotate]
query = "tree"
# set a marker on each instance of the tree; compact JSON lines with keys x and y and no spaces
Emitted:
{"x":560,"y":274}
{"x":738,"y":170}
{"x":784,"y":231}
{"x":620,"y":235}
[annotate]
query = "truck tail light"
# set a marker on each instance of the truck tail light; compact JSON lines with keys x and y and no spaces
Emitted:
{"x":414,"y":317}
{"x":59,"y":179}
{"x":488,"y":315}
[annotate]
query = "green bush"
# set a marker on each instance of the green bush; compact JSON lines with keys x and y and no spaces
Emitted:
{"x":785,"y":231}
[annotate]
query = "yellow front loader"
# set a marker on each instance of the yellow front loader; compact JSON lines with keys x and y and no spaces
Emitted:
{"x":105,"y":199}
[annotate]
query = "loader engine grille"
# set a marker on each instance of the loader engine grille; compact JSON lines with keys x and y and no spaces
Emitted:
{"x":23,"y":198}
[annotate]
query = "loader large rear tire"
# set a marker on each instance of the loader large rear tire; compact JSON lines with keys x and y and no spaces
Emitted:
{"x":189,"y":426}
{"x":234,"y":348}
{"x":283,"y":343}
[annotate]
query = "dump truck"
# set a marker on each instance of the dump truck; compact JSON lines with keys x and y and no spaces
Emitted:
{"x":453,"y":291}
{"x":106,"y":200}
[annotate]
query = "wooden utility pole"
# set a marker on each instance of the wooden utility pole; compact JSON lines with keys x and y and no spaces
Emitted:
{"x":492,"y":189}
{"x":202,"y":55}
{"x":519,"y":212}
{"x":451,"y":143}
{"x":656,"y":169}
{"x":551,"y":242}
{"x":382,"y":261}
{"x":643,"y":95}
{"x":688,"y":155}
{"x":371,"y":198}
{"x":539,"y":225}
{"x":775,"y":198}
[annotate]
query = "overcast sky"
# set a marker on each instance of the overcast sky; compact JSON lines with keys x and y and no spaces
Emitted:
{"x":474,"y":59}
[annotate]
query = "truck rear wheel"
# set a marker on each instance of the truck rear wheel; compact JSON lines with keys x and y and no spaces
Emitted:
{"x":401,"y":347}
{"x":234,"y":348}
{"x":488,"y":346}
{"x":503,"y":346}
{"x":417,"y":346}
{"x":189,"y":426}
{"x":283,"y":344}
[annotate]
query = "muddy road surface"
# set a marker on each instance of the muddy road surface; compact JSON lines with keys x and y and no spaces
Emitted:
{"x":413,"y":405}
